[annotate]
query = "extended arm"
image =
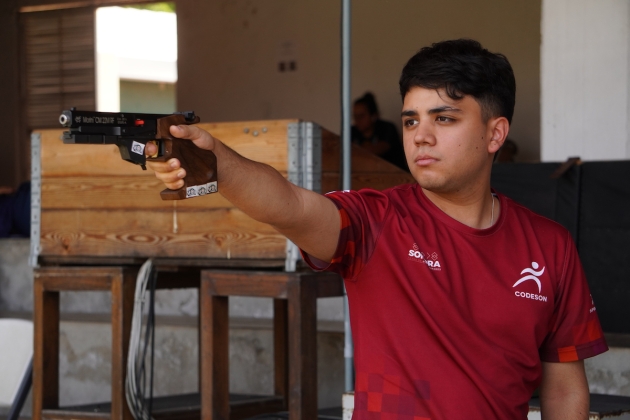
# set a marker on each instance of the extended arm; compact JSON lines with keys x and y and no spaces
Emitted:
{"x":564,"y":391}
{"x":310,"y":220}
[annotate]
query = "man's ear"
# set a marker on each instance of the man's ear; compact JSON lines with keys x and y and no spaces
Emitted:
{"x":499,"y":128}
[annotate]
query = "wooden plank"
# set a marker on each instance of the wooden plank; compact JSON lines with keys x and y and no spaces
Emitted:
{"x":119,"y":192}
{"x":94,"y":204}
{"x":46,"y":349}
{"x":205,"y":263}
{"x":72,"y":415}
{"x":302,"y":313}
{"x":123,"y":290}
{"x":219,"y":233}
{"x":58,"y":159}
{"x":247,"y":283}
{"x":268,"y":146}
{"x":214,"y":348}
{"x":368,"y":170}
{"x":281,"y":349}
{"x":362,"y":159}
{"x":59,"y":62}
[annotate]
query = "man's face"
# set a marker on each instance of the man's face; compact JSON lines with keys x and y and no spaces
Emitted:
{"x":447,"y":144}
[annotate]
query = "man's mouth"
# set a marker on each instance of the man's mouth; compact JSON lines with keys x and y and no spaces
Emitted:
{"x":425,"y":160}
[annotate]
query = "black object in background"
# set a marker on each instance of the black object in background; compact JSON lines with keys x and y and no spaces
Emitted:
{"x":592,"y":201}
{"x":604,"y":240}
{"x":531,"y":185}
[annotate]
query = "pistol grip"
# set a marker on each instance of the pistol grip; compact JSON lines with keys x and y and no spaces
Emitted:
{"x":200,"y":166}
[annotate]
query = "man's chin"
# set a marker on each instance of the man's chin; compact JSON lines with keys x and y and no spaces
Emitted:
{"x":431,"y":184}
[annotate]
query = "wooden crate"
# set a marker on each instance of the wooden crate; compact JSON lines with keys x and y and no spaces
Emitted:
{"x":94,"y":204}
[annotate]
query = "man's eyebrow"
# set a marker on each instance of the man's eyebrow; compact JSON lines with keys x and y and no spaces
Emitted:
{"x":444,"y":109}
{"x":409,"y":113}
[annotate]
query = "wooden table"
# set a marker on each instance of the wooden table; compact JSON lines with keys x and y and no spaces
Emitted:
{"x":49,"y":281}
{"x":295,"y":336}
{"x":295,"y":332}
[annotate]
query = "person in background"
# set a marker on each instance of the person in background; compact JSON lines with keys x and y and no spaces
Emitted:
{"x":378,"y":136}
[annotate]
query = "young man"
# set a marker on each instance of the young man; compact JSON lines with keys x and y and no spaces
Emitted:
{"x":462,"y":302}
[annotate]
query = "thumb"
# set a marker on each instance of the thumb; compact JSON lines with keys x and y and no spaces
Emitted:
{"x":201,"y":138}
{"x":150,"y":149}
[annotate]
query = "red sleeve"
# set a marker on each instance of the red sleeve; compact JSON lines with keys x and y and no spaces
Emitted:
{"x":362,"y":214}
{"x":575,"y":331}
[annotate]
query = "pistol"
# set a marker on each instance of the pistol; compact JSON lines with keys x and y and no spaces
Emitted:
{"x":132,"y":131}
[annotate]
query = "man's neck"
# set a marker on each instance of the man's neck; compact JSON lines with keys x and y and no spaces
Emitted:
{"x":477,"y":209}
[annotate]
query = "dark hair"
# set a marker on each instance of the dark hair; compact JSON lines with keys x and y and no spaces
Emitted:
{"x":463,"y":67}
{"x":369,"y":101}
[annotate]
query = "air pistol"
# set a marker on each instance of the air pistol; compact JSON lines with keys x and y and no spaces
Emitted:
{"x":132,"y":131}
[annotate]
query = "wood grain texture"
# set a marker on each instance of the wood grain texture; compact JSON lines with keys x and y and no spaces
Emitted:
{"x":59,"y":159}
{"x":59,"y":63}
{"x":46,"y":349}
{"x":118,"y":192}
{"x":362,"y":159}
{"x":368,"y":170}
{"x":221,"y":233}
{"x":94,"y":204}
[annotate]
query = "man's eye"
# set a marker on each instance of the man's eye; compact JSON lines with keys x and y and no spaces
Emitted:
{"x":442,"y":118}
{"x":409,"y":123}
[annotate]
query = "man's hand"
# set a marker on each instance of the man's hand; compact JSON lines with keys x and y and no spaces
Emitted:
{"x":309,"y":219}
{"x":171,"y":172}
{"x":564,"y":391}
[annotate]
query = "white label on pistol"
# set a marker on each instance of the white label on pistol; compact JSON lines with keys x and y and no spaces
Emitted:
{"x":137,"y":148}
{"x":198,"y":190}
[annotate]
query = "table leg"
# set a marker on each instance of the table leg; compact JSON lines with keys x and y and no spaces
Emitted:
{"x":302,"y":349}
{"x":46,"y":348}
{"x":280,"y":348}
{"x":123,"y":292}
{"x":214,"y":346}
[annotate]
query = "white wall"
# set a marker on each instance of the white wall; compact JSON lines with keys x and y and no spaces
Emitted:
{"x":585,"y":79}
{"x":132,"y":44}
{"x":228,"y":54}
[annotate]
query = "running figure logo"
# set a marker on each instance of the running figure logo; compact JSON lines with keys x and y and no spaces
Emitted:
{"x":532,"y":275}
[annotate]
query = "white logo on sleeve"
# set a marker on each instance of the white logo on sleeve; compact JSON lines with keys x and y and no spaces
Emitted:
{"x":533,"y":275}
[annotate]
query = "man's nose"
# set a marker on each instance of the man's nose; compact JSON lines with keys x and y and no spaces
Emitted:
{"x":424,"y":134}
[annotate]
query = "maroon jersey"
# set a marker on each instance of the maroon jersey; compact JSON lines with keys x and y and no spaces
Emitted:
{"x":452,"y":322}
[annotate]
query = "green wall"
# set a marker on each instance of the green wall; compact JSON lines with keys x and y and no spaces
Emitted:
{"x":147,"y":97}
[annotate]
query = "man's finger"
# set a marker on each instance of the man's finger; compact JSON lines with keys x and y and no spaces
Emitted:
{"x":180,"y":131}
{"x":171,"y":176}
{"x":150,"y":149}
{"x":200,"y":137}
{"x":170,"y":165}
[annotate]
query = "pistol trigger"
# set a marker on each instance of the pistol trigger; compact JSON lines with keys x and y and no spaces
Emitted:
{"x":157,"y":148}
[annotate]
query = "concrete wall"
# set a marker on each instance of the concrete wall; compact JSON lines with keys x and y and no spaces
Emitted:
{"x":585,"y":79}
{"x":229,"y":53}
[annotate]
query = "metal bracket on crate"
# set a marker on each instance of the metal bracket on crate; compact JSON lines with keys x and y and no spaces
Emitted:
{"x":305,"y":168}
{"x":36,"y":198}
